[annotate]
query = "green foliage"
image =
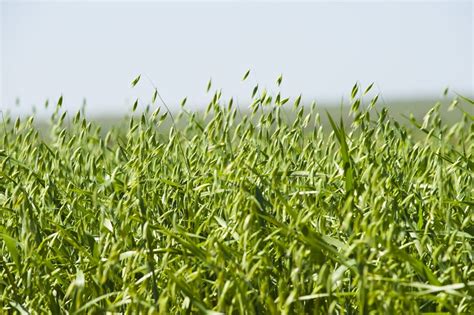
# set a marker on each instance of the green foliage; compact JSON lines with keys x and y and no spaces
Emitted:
{"x":262,"y":213}
{"x":135,"y":81}
{"x":246,"y":75}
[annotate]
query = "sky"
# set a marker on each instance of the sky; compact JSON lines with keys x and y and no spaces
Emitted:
{"x":93,"y":50}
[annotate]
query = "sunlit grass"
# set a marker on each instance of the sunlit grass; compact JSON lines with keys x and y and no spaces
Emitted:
{"x":265,"y":212}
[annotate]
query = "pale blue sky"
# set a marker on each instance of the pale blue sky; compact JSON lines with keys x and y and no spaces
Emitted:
{"x":93,"y":49}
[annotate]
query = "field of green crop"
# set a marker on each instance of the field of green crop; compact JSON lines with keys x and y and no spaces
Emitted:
{"x":276,"y":209}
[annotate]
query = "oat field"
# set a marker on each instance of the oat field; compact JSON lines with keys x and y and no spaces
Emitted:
{"x":276,"y":208}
